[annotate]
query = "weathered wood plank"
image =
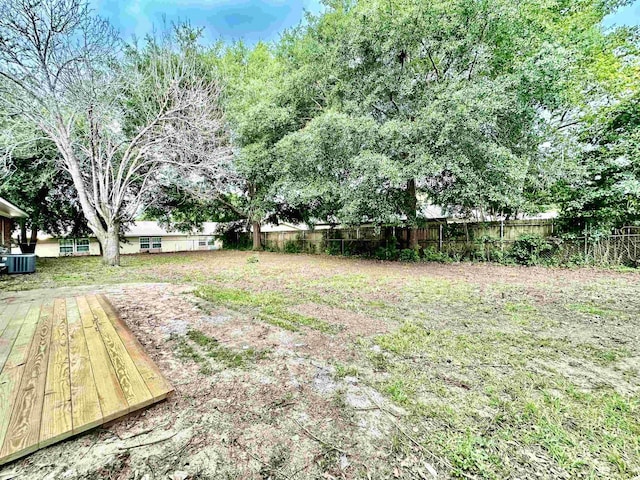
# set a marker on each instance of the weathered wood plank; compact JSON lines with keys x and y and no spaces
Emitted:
{"x":6,"y":315}
{"x":16,"y":317}
{"x":56,"y":411}
{"x":151,"y":374}
{"x":20,"y":350}
{"x":85,"y":404}
{"x":133,"y":385}
{"x":113,"y":402}
{"x":24,"y":425}
{"x":14,"y":367}
{"x":65,"y":373}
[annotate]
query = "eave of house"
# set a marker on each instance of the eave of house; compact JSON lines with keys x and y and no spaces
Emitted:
{"x":9,"y":210}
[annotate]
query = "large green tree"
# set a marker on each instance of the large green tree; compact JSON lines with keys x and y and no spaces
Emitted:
{"x":44,"y":191}
{"x":259,"y":114}
{"x":262,"y":106}
{"x":607,"y":194}
{"x":258,"y":120}
{"x":457,"y":99}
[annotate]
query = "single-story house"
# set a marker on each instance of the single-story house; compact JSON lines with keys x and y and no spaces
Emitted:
{"x":140,"y":237}
{"x":8,"y":212}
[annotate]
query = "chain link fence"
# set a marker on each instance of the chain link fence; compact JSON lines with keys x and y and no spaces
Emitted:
{"x":616,"y":249}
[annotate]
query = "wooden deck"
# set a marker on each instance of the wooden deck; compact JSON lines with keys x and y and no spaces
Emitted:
{"x":68,"y":365}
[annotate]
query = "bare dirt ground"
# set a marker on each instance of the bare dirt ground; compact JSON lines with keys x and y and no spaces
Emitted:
{"x":295,"y":366}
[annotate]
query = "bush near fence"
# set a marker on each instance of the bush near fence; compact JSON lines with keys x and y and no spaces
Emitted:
{"x":518,"y":242}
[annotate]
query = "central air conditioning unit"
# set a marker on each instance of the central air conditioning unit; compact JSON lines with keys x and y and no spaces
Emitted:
{"x":23,"y":263}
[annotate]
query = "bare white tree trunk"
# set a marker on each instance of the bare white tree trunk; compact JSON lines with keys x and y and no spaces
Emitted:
{"x":111,"y":246}
{"x":257,"y":235}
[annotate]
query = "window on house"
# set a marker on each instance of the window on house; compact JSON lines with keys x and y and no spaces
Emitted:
{"x":82,"y":245}
{"x":144,"y":243}
{"x":202,"y":242}
{"x":156,"y":242}
{"x":66,"y":246}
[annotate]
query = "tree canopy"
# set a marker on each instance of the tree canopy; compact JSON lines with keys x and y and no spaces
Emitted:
{"x":367,"y":112}
{"x":45,"y":192}
{"x":446,"y":102}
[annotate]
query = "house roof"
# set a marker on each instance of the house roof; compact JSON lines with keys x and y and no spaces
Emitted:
{"x":9,"y":210}
{"x":146,"y":228}
{"x":283,"y":227}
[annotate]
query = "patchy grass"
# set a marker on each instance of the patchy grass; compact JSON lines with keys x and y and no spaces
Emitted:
{"x":588,"y":309}
{"x":270,"y":307}
{"x":500,"y":372}
{"x":187,"y":352}
{"x":477,"y":394}
{"x":198,"y":347}
{"x":74,"y":271}
{"x":343,"y":370}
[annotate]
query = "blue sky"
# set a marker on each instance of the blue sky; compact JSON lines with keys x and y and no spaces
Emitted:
{"x":251,"y":20}
{"x":629,"y":15}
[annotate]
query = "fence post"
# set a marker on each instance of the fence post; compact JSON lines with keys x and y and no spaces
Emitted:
{"x":440,"y":231}
{"x":502,"y":235}
{"x":585,"y":247}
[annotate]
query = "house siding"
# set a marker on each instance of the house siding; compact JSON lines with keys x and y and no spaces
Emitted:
{"x":130,"y":245}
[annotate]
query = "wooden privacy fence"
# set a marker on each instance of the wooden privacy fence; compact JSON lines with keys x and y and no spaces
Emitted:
{"x":439,"y":236}
{"x":483,"y":241}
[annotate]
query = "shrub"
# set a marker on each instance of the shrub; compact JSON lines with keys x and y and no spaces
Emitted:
{"x":487,"y":246}
{"x":333,"y":248}
{"x":530,"y":250}
{"x":502,"y":257}
{"x":292,"y":246}
{"x":253,"y":259}
{"x":390,"y":252}
{"x":232,"y":240}
{"x":432,"y":255}
{"x":408,"y":255}
{"x":271,"y":247}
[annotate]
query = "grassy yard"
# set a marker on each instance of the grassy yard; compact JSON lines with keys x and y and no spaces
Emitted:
{"x":470,"y":370}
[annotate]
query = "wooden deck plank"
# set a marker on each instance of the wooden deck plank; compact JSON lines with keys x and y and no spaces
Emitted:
{"x":149,"y":371}
{"x":56,"y":411}
{"x":24,"y":425}
{"x":65,"y":372}
{"x":85,"y":403}
{"x":133,"y":385}
{"x":6,"y":315}
{"x":14,"y":367}
{"x":15,"y":317}
{"x":112,"y":399}
{"x":20,"y":350}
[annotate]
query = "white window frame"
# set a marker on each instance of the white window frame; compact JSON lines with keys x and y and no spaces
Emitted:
{"x":202,"y":241}
{"x":156,"y":243}
{"x":82,"y":247}
{"x":145,"y":241}
{"x":66,"y":243}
